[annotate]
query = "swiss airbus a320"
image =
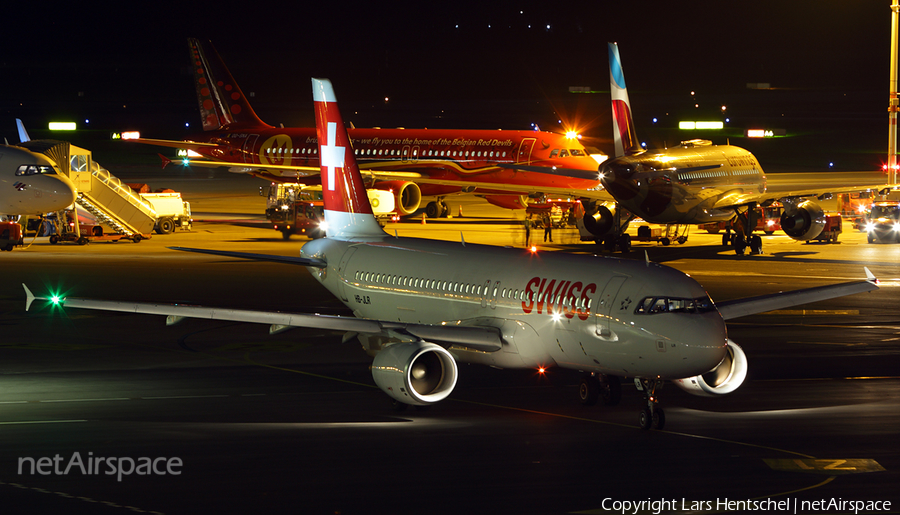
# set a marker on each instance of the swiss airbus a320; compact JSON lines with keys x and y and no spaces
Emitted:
{"x":421,"y":306}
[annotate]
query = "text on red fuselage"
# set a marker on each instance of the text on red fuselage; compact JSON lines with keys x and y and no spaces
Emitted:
{"x":573,"y":297}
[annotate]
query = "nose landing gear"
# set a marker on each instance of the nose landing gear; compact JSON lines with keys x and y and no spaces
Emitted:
{"x":652,"y":416}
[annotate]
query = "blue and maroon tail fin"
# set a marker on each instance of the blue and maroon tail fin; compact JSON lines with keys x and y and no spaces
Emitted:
{"x":347,"y":209}
{"x":222,"y":103}
{"x":624,"y":134}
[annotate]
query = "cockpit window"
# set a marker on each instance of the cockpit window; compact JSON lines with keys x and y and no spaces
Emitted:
{"x":563,"y":153}
{"x":653,"y":305}
{"x":554,"y":152}
{"x":576,"y":152}
{"x":34,"y":170}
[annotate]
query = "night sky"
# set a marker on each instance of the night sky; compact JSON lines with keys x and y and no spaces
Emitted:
{"x":461,"y":64}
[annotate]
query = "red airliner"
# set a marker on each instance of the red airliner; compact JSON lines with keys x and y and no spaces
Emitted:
{"x":503,"y":166}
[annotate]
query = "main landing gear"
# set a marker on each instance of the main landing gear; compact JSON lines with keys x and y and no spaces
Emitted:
{"x":437,"y":209}
{"x":594,"y":387}
{"x":652,"y":416}
{"x":738,"y":240}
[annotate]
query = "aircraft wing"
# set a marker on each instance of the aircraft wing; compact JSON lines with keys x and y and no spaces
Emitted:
{"x":740,"y":198}
{"x":187,"y":145}
{"x":485,"y":339}
{"x":753,"y":305}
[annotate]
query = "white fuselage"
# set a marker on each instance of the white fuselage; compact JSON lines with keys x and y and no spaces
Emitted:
{"x":30,"y":184}
{"x":574,"y":311}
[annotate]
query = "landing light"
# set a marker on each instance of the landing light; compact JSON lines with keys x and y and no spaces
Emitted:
{"x":556,"y":317}
{"x":541,"y":370}
{"x":323,"y":225}
{"x":896,"y":227}
{"x":571,"y":135}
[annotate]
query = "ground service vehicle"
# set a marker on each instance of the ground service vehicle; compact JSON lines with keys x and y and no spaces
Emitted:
{"x":883,"y":223}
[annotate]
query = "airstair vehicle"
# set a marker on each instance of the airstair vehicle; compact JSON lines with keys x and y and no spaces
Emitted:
{"x":112,"y":202}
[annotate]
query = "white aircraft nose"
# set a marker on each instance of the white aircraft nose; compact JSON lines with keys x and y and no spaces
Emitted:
{"x":51,"y":193}
{"x":705,"y":344}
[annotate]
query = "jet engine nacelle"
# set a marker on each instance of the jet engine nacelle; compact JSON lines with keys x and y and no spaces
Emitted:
{"x":723,"y":379}
{"x":407,"y":194}
{"x":602,"y":221}
{"x":804,"y":221}
{"x":418,"y":373}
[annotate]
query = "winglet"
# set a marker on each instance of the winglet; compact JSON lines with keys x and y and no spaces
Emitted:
{"x":646,"y":258}
{"x":870,"y":276}
{"x":29,"y":297}
{"x":165,"y":160}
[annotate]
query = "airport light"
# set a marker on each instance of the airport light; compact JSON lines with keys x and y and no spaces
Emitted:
{"x":61,"y":126}
{"x":701,"y":125}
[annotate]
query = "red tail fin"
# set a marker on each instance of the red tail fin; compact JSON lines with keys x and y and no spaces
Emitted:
{"x":222,"y":103}
{"x":347,"y":209}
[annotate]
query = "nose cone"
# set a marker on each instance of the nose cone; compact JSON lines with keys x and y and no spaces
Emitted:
{"x":704,"y":343}
{"x":617,"y":179}
{"x":49,"y":193}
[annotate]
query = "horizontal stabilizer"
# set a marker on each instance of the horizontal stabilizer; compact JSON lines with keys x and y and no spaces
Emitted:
{"x":291,"y":260}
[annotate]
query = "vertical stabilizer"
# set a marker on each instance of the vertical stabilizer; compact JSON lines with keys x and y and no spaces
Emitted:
{"x":624,"y":134}
{"x":23,"y":134}
{"x":347,"y":209}
{"x":222,"y":103}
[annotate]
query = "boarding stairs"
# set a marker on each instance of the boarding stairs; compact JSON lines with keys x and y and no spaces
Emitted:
{"x":115,"y":205}
{"x":112,"y":202}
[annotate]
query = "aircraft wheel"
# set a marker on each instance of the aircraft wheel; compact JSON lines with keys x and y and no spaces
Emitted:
{"x":740,"y":245}
{"x":625,"y":243}
{"x":445,"y":209}
{"x":432,"y":210}
{"x":589,"y":390}
{"x":54,"y":239}
{"x":645,"y":420}
{"x":755,"y":244}
{"x":611,"y":390}
{"x":659,"y":418}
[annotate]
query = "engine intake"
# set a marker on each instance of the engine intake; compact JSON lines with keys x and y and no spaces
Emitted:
{"x":418,"y":373}
{"x":407,"y":194}
{"x":601,"y":222}
{"x":725,"y":378}
{"x":803,"y":222}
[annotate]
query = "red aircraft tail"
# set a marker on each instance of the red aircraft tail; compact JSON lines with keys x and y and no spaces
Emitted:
{"x":222,"y":103}
{"x":347,"y":209}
